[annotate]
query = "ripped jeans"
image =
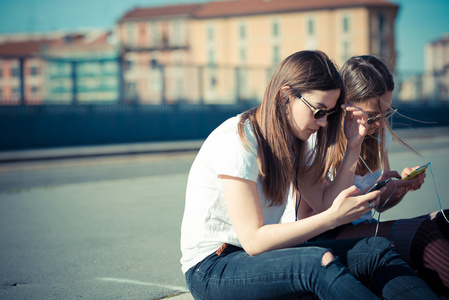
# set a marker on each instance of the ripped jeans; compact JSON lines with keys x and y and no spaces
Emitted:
{"x":289,"y":273}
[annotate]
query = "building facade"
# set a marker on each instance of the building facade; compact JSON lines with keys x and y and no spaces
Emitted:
{"x":59,"y":68}
{"x":218,"y":52}
{"x":432,"y":86}
{"x":22,"y":70}
{"x":156,"y":43}
{"x":83,"y":69}
{"x":436,"y":70}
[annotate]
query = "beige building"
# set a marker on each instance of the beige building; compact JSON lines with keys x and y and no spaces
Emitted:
{"x":433,"y":85}
{"x":225,"y":51}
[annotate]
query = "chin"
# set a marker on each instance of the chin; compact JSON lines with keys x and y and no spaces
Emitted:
{"x":304,"y":137}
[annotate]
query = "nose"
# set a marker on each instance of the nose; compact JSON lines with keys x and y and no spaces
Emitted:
{"x":322,"y":122}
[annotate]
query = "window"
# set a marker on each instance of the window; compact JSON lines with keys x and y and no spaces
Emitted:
{"x":210,"y":33}
{"x":34,"y":70}
{"x":16,"y":92}
{"x":346,"y":54}
{"x":211,"y":56}
{"x":15,"y":71}
{"x":345,"y":24}
{"x":243,"y":54}
{"x":154,"y":34}
{"x":177,"y":33}
{"x":310,"y":26}
{"x":275,"y":29}
{"x":242,"y":31}
{"x":179,"y":88}
{"x":130,"y":34}
{"x":276,"y":55}
{"x":109,"y":67}
{"x":383,"y":48}
{"x":131,"y":90}
{"x":128,"y":65}
{"x":1,"y":72}
{"x":34,"y":90}
{"x":381,"y":22}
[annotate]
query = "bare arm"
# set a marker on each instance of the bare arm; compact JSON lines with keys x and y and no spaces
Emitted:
{"x":243,"y":204}
{"x":322,"y":197}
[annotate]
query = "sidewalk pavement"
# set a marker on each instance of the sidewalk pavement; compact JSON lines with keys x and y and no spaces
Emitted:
{"x":169,"y":146}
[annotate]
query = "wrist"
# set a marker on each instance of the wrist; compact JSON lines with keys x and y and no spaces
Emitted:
{"x":354,"y":146}
{"x":330,"y":219}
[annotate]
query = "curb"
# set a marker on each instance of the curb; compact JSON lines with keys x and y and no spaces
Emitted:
{"x":102,"y":150}
{"x":184,"y":296}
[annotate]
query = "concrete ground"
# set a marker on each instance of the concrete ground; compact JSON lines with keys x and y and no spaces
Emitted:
{"x":119,"y":239}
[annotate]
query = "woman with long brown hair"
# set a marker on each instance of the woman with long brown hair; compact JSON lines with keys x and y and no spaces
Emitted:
{"x":233,"y":245}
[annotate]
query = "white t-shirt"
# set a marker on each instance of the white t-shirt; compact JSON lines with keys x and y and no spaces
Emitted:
{"x":206,"y":224}
{"x":361,"y":182}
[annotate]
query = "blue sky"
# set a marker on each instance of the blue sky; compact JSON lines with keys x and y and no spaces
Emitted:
{"x":418,"y":22}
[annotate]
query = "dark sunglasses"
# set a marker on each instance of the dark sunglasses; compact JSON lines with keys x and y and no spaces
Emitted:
{"x":318,"y":113}
{"x":385,"y":115}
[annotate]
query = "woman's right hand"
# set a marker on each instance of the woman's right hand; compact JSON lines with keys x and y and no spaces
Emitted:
{"x":350,"y":205}
{"x":355,"y":125}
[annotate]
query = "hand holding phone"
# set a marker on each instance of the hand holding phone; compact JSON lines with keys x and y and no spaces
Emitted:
{"x":378,"y":185}
{"x":416,"y":172}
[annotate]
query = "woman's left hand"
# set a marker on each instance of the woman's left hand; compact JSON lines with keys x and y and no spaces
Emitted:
{"x":356,"y":125}
{"x":415,"y":183}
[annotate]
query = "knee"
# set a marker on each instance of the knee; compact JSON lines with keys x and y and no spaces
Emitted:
{"x":327,"y":258}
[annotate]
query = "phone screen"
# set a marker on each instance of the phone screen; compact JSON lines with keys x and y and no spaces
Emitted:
{"x":378,"y":185}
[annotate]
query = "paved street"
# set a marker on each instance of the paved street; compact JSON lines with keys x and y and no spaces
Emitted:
{"x":108,"y":227}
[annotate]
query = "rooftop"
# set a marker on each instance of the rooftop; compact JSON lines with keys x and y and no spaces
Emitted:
{"x":230,"y":8}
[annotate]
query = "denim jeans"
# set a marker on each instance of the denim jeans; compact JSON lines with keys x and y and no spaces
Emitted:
{"x":288,"y":273}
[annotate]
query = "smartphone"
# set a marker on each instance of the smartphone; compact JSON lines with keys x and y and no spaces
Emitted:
{"x":378,"y":185}
{"x":416,"y":172}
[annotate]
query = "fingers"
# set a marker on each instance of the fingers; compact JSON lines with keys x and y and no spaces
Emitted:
{"x":356,"y":111}
{"x":390,"y":174}
{"x":371,"y":199}
{"x":352,"y":190}
{"x":416,"y":183}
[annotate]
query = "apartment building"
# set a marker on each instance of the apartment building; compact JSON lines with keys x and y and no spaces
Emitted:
{"x":83,"y":68}
{"x":157,"y":55}
{"x":436,"y":70}
{"x":22,"y":72}
{"x":433,"y":85}
{"x":225,"y":51}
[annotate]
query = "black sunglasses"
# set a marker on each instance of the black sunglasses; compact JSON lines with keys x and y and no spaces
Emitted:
{"x":385,"y":115}
{"x":318,"y":113}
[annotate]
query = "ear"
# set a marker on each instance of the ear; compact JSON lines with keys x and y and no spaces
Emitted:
{"x":281,"y":92}
{"x":284,"y":95}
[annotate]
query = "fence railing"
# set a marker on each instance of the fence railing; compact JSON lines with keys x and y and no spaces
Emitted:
{"x":47,"y":126}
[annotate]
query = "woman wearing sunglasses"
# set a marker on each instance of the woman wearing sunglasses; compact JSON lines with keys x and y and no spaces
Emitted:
{"x":233,"y":246}
{"x":422,"y":241}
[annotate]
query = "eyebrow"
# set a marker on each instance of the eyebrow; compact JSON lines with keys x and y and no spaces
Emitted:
{"x":322,"y":105}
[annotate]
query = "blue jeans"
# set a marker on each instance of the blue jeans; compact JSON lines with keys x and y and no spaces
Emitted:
{"x":288,"y":273}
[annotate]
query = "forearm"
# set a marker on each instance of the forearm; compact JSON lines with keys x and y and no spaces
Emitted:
{"x":278,"y":236}
{"x":344,"y":177}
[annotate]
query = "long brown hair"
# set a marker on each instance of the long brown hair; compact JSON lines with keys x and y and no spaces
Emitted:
{"x":366,"y":77}
{"x":280,"y":154}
